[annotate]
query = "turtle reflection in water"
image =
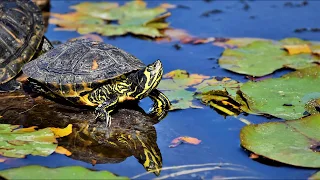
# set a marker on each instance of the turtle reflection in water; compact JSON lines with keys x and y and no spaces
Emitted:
{"x":131,"y":133}
{"x":95,"y":74}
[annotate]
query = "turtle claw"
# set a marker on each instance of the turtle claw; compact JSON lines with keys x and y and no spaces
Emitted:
{"x":103,"y":114}
{"x":108,"y":120}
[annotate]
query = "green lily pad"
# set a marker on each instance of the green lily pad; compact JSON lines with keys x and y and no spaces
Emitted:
{"x":176,"y":86}
{"x":96,"y":9}
{"x":238,"y":42}
{"x":133,"y":17}
{"x":294,"y":142}
{"x":181,"y":99}
{"x":40,"y":172}
{"x":225,"y":84}
{"x":182,"y":87}
{"x":289,"y":97}
{"x":261,"y":58}
{"x":19,"y":143}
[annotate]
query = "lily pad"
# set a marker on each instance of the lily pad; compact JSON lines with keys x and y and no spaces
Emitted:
{"x":182,"y":87}
{"x":18,"y":143}
{"x":40,"y":172}
{"x":288,"y":97}
{"x":181,"y":99}
{"x":110,"y":19}
{"x":292,"y":142}
{"x":176,"y":85}
{"x":261,"y":58}
{"x":238,"y":42}
{"x":223,"y":84}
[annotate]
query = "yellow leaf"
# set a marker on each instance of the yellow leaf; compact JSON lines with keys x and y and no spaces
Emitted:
{"x":297,"y":49}
{"x":58,"y":132}
{"x":29,"y":129}
{"x":62,"y":150}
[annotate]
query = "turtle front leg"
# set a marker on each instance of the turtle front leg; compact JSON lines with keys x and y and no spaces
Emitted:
{"x":103,"y":110}
{"x":161,"y":104}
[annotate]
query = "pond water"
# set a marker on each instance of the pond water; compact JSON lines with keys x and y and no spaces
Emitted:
{"x":219,"y":135}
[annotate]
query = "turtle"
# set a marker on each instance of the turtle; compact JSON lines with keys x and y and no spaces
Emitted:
{"x":21,"y":39}
{"x":95,"y":74}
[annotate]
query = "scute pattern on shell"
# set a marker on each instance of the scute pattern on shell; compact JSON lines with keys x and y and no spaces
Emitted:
{"x":82,"y":61}
{"x":21,"y":32}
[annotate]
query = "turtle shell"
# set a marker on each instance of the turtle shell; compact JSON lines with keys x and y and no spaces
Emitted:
{"x":21,"y":32}
{"x":81,"y":61}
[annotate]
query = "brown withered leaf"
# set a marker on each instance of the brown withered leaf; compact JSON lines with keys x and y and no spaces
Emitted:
{"x":184,"y":139}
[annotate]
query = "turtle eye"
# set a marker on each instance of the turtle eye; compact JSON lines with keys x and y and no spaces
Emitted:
{"x":150,"y":68}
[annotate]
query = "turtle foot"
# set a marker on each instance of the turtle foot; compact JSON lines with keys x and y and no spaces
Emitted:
{"x":102,"y":114}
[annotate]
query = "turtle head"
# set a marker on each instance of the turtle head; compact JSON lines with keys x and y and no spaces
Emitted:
{"x":147,"y":79}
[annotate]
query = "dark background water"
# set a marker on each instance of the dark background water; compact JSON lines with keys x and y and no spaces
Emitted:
{"x":270,"y":19}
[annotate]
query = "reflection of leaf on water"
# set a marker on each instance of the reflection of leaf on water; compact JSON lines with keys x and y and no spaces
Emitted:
{"x":40,"y":172}
{"x":131,"y":133}
{"x":294,"y":142}
{"x":19,"y":143}
{"x":100,"y":17}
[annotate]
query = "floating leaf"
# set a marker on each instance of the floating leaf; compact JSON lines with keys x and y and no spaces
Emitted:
{"x":184,"y":139}
{"x":2,"y":159}
{"x":238,"y":42}
{"x":294,"y":142}
{"x":178,"y":85}
{"x":96,"y":9}
{"x":220,"y":93}
{"x":181,"y":99}
{"x":133,"y":17}
{"x":62,"y":150}
{"x":285,"y":97}
{"x":261,"y":58}
{"x":71,"y":172}
{"x":58,"y":132}
{"x":297,"y":49}
{"x":175,"y":85}
{"x":19,"y":143}
{"x":222,"y":84}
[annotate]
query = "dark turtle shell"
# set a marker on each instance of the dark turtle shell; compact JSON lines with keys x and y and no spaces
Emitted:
{"x":81,"y":61}
{"x":21,"y":32}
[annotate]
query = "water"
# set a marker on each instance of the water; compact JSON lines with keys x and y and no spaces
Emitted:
{"x":219,"y":135}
